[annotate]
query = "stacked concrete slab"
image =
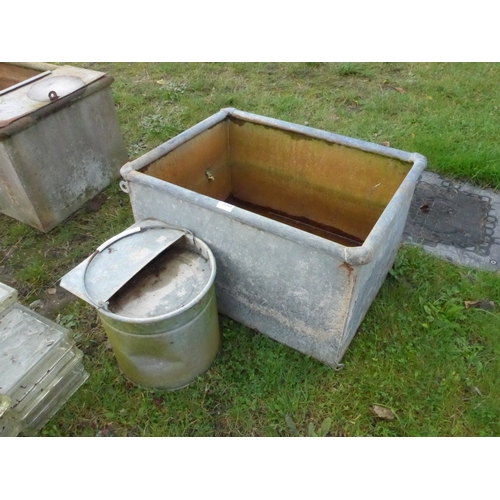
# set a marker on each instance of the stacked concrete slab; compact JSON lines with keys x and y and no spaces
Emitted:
{"x":40,"y":367}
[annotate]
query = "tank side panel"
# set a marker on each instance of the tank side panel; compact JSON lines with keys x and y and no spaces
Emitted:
{"x":68,"y":157}
{"x":200,"y":164}
{"x":295,"y":294}
{"x":328,"y":183}
{"x":14,"y":201}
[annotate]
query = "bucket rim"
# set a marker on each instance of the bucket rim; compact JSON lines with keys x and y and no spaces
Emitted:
{"x":177,"y":312}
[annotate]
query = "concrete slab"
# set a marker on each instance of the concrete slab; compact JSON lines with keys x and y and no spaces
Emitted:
{"x":455,"y":221}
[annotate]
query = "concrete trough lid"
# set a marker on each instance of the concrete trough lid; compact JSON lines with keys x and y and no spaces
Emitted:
{"x":26,"y":97}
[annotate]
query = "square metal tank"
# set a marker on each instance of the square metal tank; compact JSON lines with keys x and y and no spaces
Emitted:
{"x":304,"y":224}
{"x":60,"y":141}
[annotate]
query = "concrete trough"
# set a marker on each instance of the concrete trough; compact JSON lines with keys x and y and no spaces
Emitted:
{"x":60,"y":141}
{"x":304,"y":224}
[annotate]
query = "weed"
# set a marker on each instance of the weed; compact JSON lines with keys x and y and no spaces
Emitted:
{"x":35,"y":271}
{"x":159,"y":126}
{"x":68,"y":320}
{"x":137,"y":149}
{"x":351,"y":69}
{"x":172,"y":91}
{"x":311,"y":431}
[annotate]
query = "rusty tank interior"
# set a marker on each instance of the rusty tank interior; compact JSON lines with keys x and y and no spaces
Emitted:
{"x":327,"y":189}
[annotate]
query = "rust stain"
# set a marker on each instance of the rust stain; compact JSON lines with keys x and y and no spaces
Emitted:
{"x":349,"y":268}
{"x":313,"y":227}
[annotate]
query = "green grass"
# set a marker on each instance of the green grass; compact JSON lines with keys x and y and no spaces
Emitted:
{"x":419,"y":352}
{"x":448,"y":112}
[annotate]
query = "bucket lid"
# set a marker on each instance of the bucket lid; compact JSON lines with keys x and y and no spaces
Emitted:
{"x":113,"y":271}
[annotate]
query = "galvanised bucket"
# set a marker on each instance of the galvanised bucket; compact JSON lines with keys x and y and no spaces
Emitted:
{"x":153,"y":287}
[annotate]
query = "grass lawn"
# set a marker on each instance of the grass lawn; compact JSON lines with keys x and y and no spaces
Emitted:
{"x":419,"y":353}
